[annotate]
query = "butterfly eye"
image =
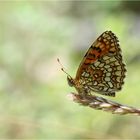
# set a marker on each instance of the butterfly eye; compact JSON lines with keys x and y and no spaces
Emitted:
{"x":70,"y":81}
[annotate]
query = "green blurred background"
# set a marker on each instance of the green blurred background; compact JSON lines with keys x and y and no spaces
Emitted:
{"x":33,"y":89}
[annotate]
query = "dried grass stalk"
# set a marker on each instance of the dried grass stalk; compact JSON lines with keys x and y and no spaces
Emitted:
{"x":100,"y":103}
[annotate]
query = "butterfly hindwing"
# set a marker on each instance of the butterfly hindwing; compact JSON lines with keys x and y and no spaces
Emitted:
{"x":102,"y":69}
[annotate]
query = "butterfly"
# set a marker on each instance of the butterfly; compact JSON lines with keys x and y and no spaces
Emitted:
{"x":102,"y":69}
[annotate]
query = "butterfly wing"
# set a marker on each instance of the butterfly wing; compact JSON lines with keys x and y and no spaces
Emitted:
{"x":102,"y":69}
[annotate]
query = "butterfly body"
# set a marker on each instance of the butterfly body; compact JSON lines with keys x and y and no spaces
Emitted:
{"x":102,"y":69}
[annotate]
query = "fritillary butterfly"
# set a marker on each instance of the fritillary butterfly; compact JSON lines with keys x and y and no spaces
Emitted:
{"x":102,"y":69}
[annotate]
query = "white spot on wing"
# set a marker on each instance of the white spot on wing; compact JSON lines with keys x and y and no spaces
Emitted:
{"x":96,"y":63}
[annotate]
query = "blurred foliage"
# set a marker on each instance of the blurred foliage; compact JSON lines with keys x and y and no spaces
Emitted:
{"x":33,"y":102}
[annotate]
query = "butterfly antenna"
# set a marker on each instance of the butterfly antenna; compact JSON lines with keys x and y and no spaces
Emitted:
{"x":62,"y":67}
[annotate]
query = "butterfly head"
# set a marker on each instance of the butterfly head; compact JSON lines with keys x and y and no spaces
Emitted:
{"x":70,"y":80}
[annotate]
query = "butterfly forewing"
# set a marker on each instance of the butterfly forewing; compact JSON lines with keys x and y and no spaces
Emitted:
{"x":102,"y":69}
